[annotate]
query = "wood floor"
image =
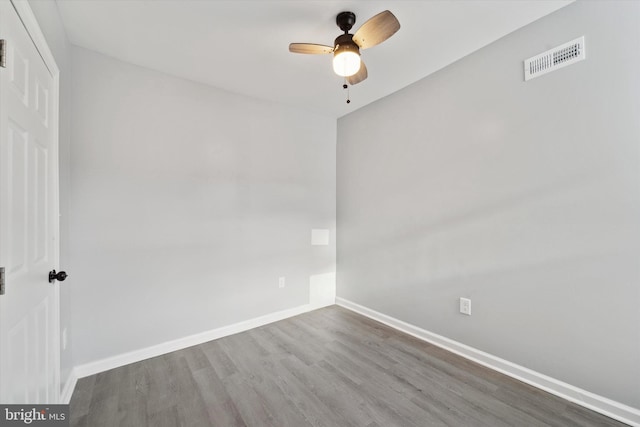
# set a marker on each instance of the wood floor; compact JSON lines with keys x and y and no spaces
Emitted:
{"x":330,"y":367}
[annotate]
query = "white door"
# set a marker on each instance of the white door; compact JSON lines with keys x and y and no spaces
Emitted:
{"x":29,"y":318}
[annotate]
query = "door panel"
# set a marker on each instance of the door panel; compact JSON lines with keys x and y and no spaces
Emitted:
{"x":41,"y":211}
{"x":29,"y":326}
{"x":18,"y":347}
{"x":19,"y":73}
{"x":17,"y":198}
{"x":42,"y":352}
{"x":42,"y":103}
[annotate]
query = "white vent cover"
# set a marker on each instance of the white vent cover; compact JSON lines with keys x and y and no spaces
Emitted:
{"x":554,"y":59}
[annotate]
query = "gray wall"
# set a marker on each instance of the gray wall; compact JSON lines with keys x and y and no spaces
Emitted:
{"x":187,"y":205}
{"x":521,"y":196}
{"x":46,"y":13}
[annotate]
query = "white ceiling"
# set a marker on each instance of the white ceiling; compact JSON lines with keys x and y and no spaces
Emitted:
{"x":242,"y":45}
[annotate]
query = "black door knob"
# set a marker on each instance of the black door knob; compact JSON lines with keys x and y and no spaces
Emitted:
{"x":60,"y":276}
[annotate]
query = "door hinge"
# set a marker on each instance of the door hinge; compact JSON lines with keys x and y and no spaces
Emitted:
{"x":1,"y":280}
{"x":3,"y":53}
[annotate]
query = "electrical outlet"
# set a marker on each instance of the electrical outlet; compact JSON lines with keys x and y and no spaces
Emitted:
{"x":64,"y":339}
{"x":281,"y":282}
{"x":465,"y":306}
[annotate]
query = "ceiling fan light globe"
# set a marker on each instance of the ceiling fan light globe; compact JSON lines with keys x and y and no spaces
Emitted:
{"x":346,"y":63}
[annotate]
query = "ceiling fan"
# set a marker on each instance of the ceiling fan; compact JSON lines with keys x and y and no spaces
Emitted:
{"x":346,"y":47}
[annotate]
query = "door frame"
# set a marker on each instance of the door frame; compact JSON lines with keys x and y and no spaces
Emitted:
{"x":30,"y":23}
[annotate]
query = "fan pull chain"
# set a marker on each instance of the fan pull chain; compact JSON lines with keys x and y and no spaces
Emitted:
{"x":346,"y":86}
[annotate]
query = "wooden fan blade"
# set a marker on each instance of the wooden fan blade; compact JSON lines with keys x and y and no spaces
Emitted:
{"x":359,"y":76}
{"x":310,"y":48}
{"x":376,"y":30}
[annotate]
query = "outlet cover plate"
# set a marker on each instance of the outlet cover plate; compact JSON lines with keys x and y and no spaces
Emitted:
{"x":465,"y":306}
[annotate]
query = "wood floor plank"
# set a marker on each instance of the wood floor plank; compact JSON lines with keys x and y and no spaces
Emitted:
{"x":133,"y":396}
{"x":219,"y":404}
{"x":103,"y":412}
{"x":167,"y":417}
{"x":384,"y":406}
{"x":251,"y":404}
{"x":327,"y":368}
{"x":315,"y":411}
{"x":195,"y":358}
{"x":218,"y":358}
{"x":81,"y":397}
{"x":161,"y":391}
{"x":190,"y":406}
{"x":335,"y":395}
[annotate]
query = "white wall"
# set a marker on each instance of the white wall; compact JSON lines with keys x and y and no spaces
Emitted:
{"x":187,"y":205}
{"x":46,"y":13}
{"x":521,"y":196}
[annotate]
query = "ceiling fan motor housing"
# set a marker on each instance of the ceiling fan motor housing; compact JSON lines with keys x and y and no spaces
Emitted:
{"x":345,"y":43}
{"x":345,"y":20}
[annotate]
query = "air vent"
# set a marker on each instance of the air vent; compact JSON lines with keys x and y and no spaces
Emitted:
{"x":553,"y":59}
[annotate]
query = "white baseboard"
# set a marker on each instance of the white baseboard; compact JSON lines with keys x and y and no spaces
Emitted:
{"x":69,"y":386}
{"x":319,"y":306}
{"x":102,"y":365}
{"x":608,"y":407}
